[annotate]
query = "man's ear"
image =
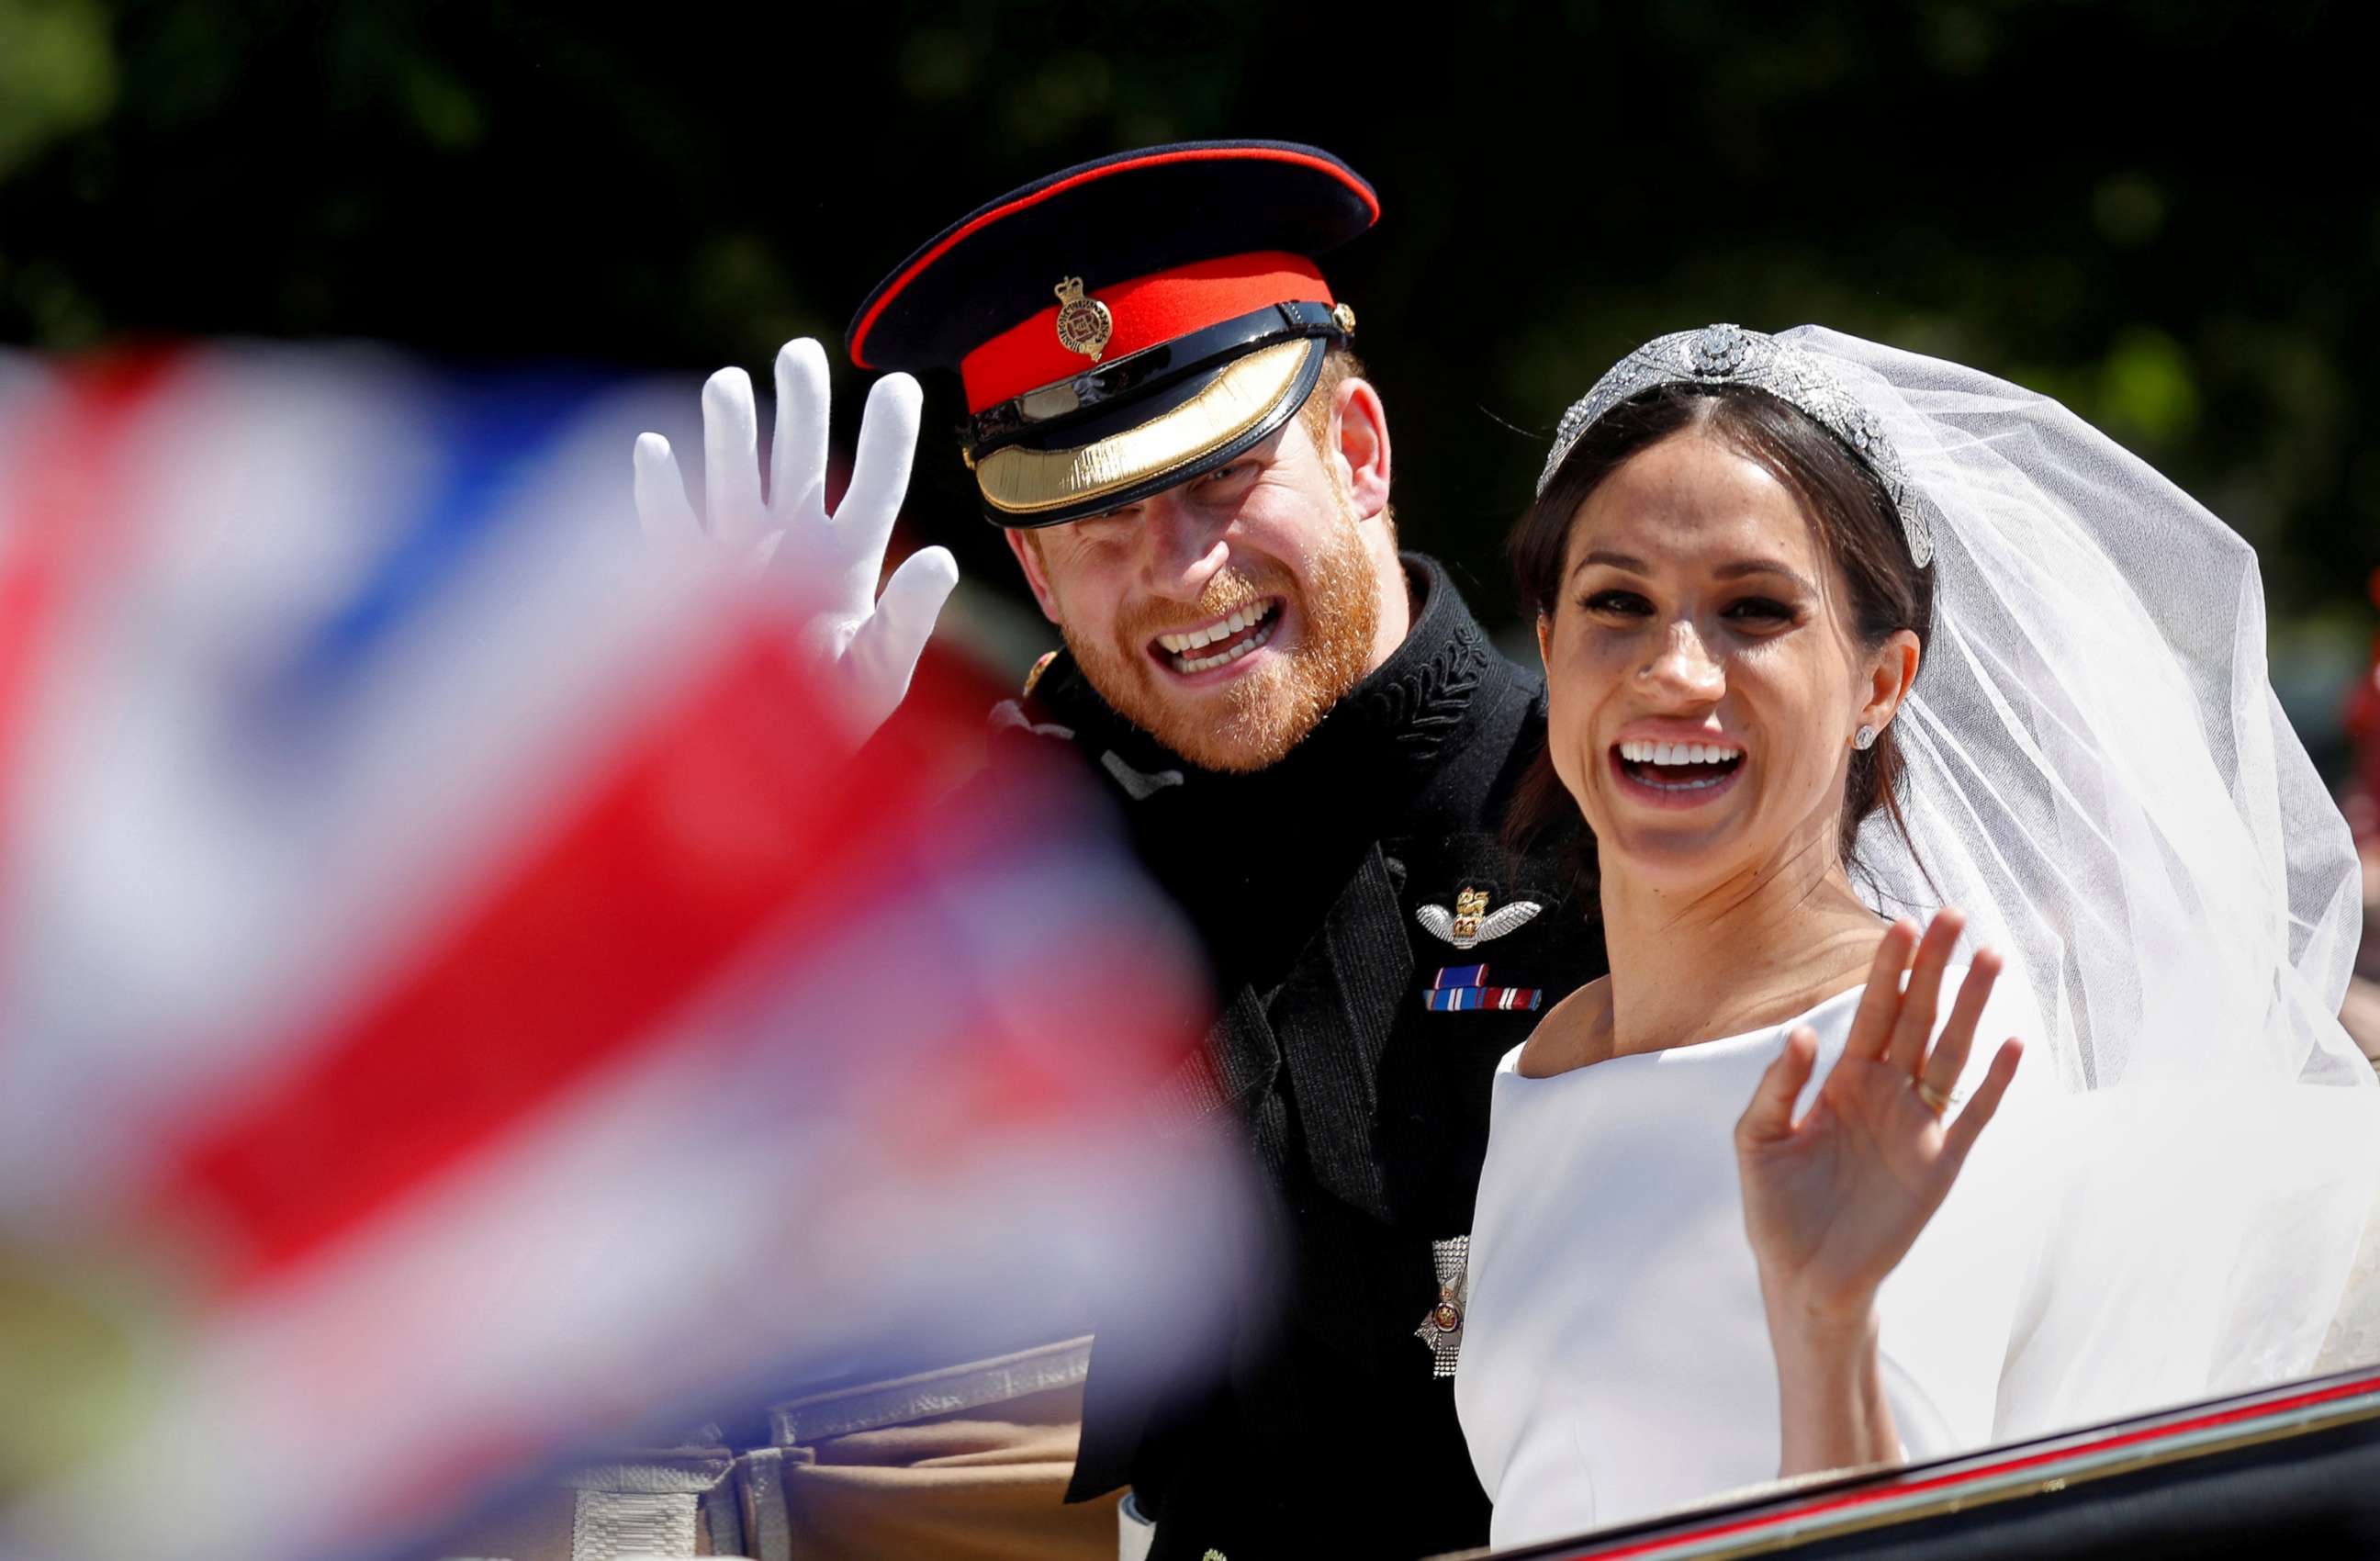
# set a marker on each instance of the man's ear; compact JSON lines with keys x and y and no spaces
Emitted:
{"x":1027,"y":545}
{"x":1359,"y":428}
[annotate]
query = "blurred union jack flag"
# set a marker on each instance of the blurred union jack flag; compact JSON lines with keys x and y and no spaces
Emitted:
{"x":458,"y":996}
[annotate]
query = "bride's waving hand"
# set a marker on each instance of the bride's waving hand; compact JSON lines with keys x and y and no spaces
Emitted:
{"x":1833,"y":1202}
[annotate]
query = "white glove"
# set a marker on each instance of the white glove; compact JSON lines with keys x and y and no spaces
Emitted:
{"x":869,"y":646}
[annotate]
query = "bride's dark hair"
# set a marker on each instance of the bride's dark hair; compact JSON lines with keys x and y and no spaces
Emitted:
{"x":1856,"y":525}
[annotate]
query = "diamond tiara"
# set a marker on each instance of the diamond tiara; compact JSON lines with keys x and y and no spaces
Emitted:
{"x":1733,"y":356}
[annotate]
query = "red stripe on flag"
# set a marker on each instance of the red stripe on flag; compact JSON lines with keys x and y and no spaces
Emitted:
{"x":68,"y":508}
{"x":703,"y":834}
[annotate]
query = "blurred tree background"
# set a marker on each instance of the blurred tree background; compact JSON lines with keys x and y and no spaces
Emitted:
{"x":2161,"y":211}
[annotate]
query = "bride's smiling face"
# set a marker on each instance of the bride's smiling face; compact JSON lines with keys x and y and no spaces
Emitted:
{"x":1703,"y":683}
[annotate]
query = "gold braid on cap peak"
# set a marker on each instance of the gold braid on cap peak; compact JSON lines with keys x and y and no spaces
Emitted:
{"x":1020,"y":481}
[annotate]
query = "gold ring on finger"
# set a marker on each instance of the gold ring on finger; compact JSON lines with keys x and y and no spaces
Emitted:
{"x":1935,"y":1101}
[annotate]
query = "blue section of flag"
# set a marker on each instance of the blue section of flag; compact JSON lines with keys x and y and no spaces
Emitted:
{"x":1461,"y":976}
{"x":491,"y":437}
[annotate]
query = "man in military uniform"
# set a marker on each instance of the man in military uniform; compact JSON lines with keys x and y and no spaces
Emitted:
{"x":1313,"y":746}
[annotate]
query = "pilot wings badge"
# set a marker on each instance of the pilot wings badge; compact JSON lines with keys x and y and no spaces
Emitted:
{"x":1471,"y":922}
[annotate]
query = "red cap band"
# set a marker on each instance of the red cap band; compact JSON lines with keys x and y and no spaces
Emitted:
{"x":1147,"y":312}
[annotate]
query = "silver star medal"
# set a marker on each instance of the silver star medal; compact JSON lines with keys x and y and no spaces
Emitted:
{"x":1443,"y":1328}
{"x":1471,"y":922}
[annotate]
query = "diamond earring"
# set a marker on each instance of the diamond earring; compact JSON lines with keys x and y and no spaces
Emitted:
{"x":1865,"y":738}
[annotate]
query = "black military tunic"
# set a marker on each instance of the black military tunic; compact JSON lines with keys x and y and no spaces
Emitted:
{"x":1365,"y":1103}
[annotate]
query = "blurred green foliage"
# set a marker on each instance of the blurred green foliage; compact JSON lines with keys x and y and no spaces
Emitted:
{"x":57,"y":74}
{"x":2141,"y":206}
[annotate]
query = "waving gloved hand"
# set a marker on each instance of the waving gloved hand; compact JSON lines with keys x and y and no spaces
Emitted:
{"x":869,"y":643}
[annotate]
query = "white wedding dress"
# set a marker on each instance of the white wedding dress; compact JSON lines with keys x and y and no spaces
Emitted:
{"x":1615,"y":1360}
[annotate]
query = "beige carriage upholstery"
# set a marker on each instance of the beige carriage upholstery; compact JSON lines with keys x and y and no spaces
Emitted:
{"x":968,"y":1463}
{"x":965,"y":1464}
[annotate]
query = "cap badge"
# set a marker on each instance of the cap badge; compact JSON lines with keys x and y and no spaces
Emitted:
{"x":1471,"y":922}
{"x":1084,"y":324}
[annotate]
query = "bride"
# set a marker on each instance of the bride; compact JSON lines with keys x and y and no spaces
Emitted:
{"x":1838,"y":638}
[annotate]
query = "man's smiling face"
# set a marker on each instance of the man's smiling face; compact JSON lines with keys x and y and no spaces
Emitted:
{"x":1227,"y":615}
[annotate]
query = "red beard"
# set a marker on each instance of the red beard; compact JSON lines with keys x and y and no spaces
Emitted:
{"x":1254,"y":720}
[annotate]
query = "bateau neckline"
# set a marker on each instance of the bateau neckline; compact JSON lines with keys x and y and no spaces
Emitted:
{"x":1511,"y":1066}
